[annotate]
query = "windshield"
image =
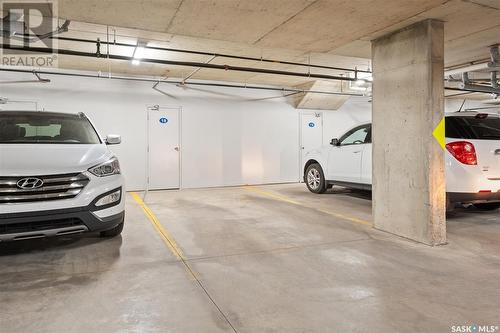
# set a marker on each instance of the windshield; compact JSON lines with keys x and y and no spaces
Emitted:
{"x":474,"y":128}
{"x":45,"y":127}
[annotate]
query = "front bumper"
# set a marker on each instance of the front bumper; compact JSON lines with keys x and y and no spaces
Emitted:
{"x":48,"y":223}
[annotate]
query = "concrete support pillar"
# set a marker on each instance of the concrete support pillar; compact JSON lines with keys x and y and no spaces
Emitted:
{"x":408,"y":103}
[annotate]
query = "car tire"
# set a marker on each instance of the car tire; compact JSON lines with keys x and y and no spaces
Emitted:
{"x":315,"y":179}
{"x":450,"y":206}
{"x":112,"y":232}
{"x":487,"y":206}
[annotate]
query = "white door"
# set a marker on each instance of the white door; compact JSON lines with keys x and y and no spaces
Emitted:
{"x":163,"y":148}
{"x":344,"y":161}
{"x":311,"y":136}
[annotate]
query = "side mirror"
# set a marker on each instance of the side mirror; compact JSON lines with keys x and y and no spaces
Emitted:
{"x":113,"y":139}
{"x":335,"y":142}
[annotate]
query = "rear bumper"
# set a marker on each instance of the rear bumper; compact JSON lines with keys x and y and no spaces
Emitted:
{"x":481,"y":197}
{"x":48,"y":223}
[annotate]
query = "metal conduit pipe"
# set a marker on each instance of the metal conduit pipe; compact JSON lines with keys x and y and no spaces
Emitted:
{"x":470,"y":68}
{"x":182,"y":63}
{"x":195,"y":64}
{"x":179,"y":82}
{"x":218,"y":55}
{"x":492,"y":65}
{"x":127,"y":78}
{"x":471,"y":89}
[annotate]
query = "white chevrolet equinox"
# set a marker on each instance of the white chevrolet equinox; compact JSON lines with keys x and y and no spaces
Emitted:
{"x":57,"y":177}
{"x":472,"y":160}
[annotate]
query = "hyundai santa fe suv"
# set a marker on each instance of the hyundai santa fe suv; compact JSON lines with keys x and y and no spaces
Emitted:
{"x":57,"y":177}
{"x":472,"y":160}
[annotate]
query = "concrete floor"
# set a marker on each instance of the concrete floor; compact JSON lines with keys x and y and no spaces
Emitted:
{"x":261,"y":259}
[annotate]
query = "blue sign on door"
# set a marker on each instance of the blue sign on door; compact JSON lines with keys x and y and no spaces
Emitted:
{"x":311,"y":124}
{"x":163,"y":120}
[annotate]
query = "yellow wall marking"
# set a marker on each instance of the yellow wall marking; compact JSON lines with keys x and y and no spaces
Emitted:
{"x":293,"y":202}
{"x":439,"y":133}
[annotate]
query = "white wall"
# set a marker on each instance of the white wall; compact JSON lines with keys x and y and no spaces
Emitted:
{"x":355,"y":111}
{"x":229,"y":137}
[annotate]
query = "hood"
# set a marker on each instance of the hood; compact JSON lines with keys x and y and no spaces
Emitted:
{"x":49,"y":159}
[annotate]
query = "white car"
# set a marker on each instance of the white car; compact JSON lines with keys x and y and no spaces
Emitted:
{"x":472,"y":160}
{"x":57,"y":177}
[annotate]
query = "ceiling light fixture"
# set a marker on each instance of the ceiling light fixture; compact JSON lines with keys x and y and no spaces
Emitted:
{"x":364,"y":80}
{"x":138,"y":54}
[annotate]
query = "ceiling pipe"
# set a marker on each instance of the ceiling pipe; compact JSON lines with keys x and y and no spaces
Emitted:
{"x":181,"y":63}
{"x":38,"y":79}
{"x":494,"y":80}
{"x":470,"y":89}
{"x":470,"y":68}
{"x":190,"y":75}
{"x":478,"y":88}
{"x":493,"y":66}
{"x":7,"y":21}
{"x":178,"y":82}
{"x":489,"y":66}
{"x":218,"y":55}
{"x":196,"y":83}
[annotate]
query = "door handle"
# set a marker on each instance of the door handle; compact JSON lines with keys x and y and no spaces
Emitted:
{"x":176,"y":148}
{"x":357,"y":151}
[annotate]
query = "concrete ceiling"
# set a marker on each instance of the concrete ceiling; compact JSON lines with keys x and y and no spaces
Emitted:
{"x":323,"y":32}
{"x":308,"y":25}
{"x":342,"y":27}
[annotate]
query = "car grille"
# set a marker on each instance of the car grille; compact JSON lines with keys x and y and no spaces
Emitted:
{"x":54,"y":187}
{"x":39,"y":226}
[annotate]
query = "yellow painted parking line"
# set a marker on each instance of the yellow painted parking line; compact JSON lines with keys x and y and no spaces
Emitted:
{"x":272,"y":195}
{"x":283,"y":198}
{"x":345,"y":217}
{"x":175,"y":249}
{"x":165,"y":235}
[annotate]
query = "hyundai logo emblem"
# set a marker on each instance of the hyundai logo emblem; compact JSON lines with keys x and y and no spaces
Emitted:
{"x":29,"y":183}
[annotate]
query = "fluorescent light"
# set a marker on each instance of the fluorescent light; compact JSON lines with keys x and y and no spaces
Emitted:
{"x":138,"y":54}
{"x":357,"y":88}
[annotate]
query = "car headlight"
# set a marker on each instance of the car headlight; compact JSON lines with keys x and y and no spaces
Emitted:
{"x":109,"y":199}
{"x":108,"y":168}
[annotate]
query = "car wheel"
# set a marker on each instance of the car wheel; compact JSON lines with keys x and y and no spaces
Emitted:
{"x":112,"y":232}
{"x":487,"y":206}
{"x":315,"y":180}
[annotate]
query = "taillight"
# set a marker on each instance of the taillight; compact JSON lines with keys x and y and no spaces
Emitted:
{"x":463,"y":151}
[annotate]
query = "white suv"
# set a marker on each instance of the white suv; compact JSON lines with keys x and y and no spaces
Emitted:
{"x":472,"y":160}
{"x":57,"y":177}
